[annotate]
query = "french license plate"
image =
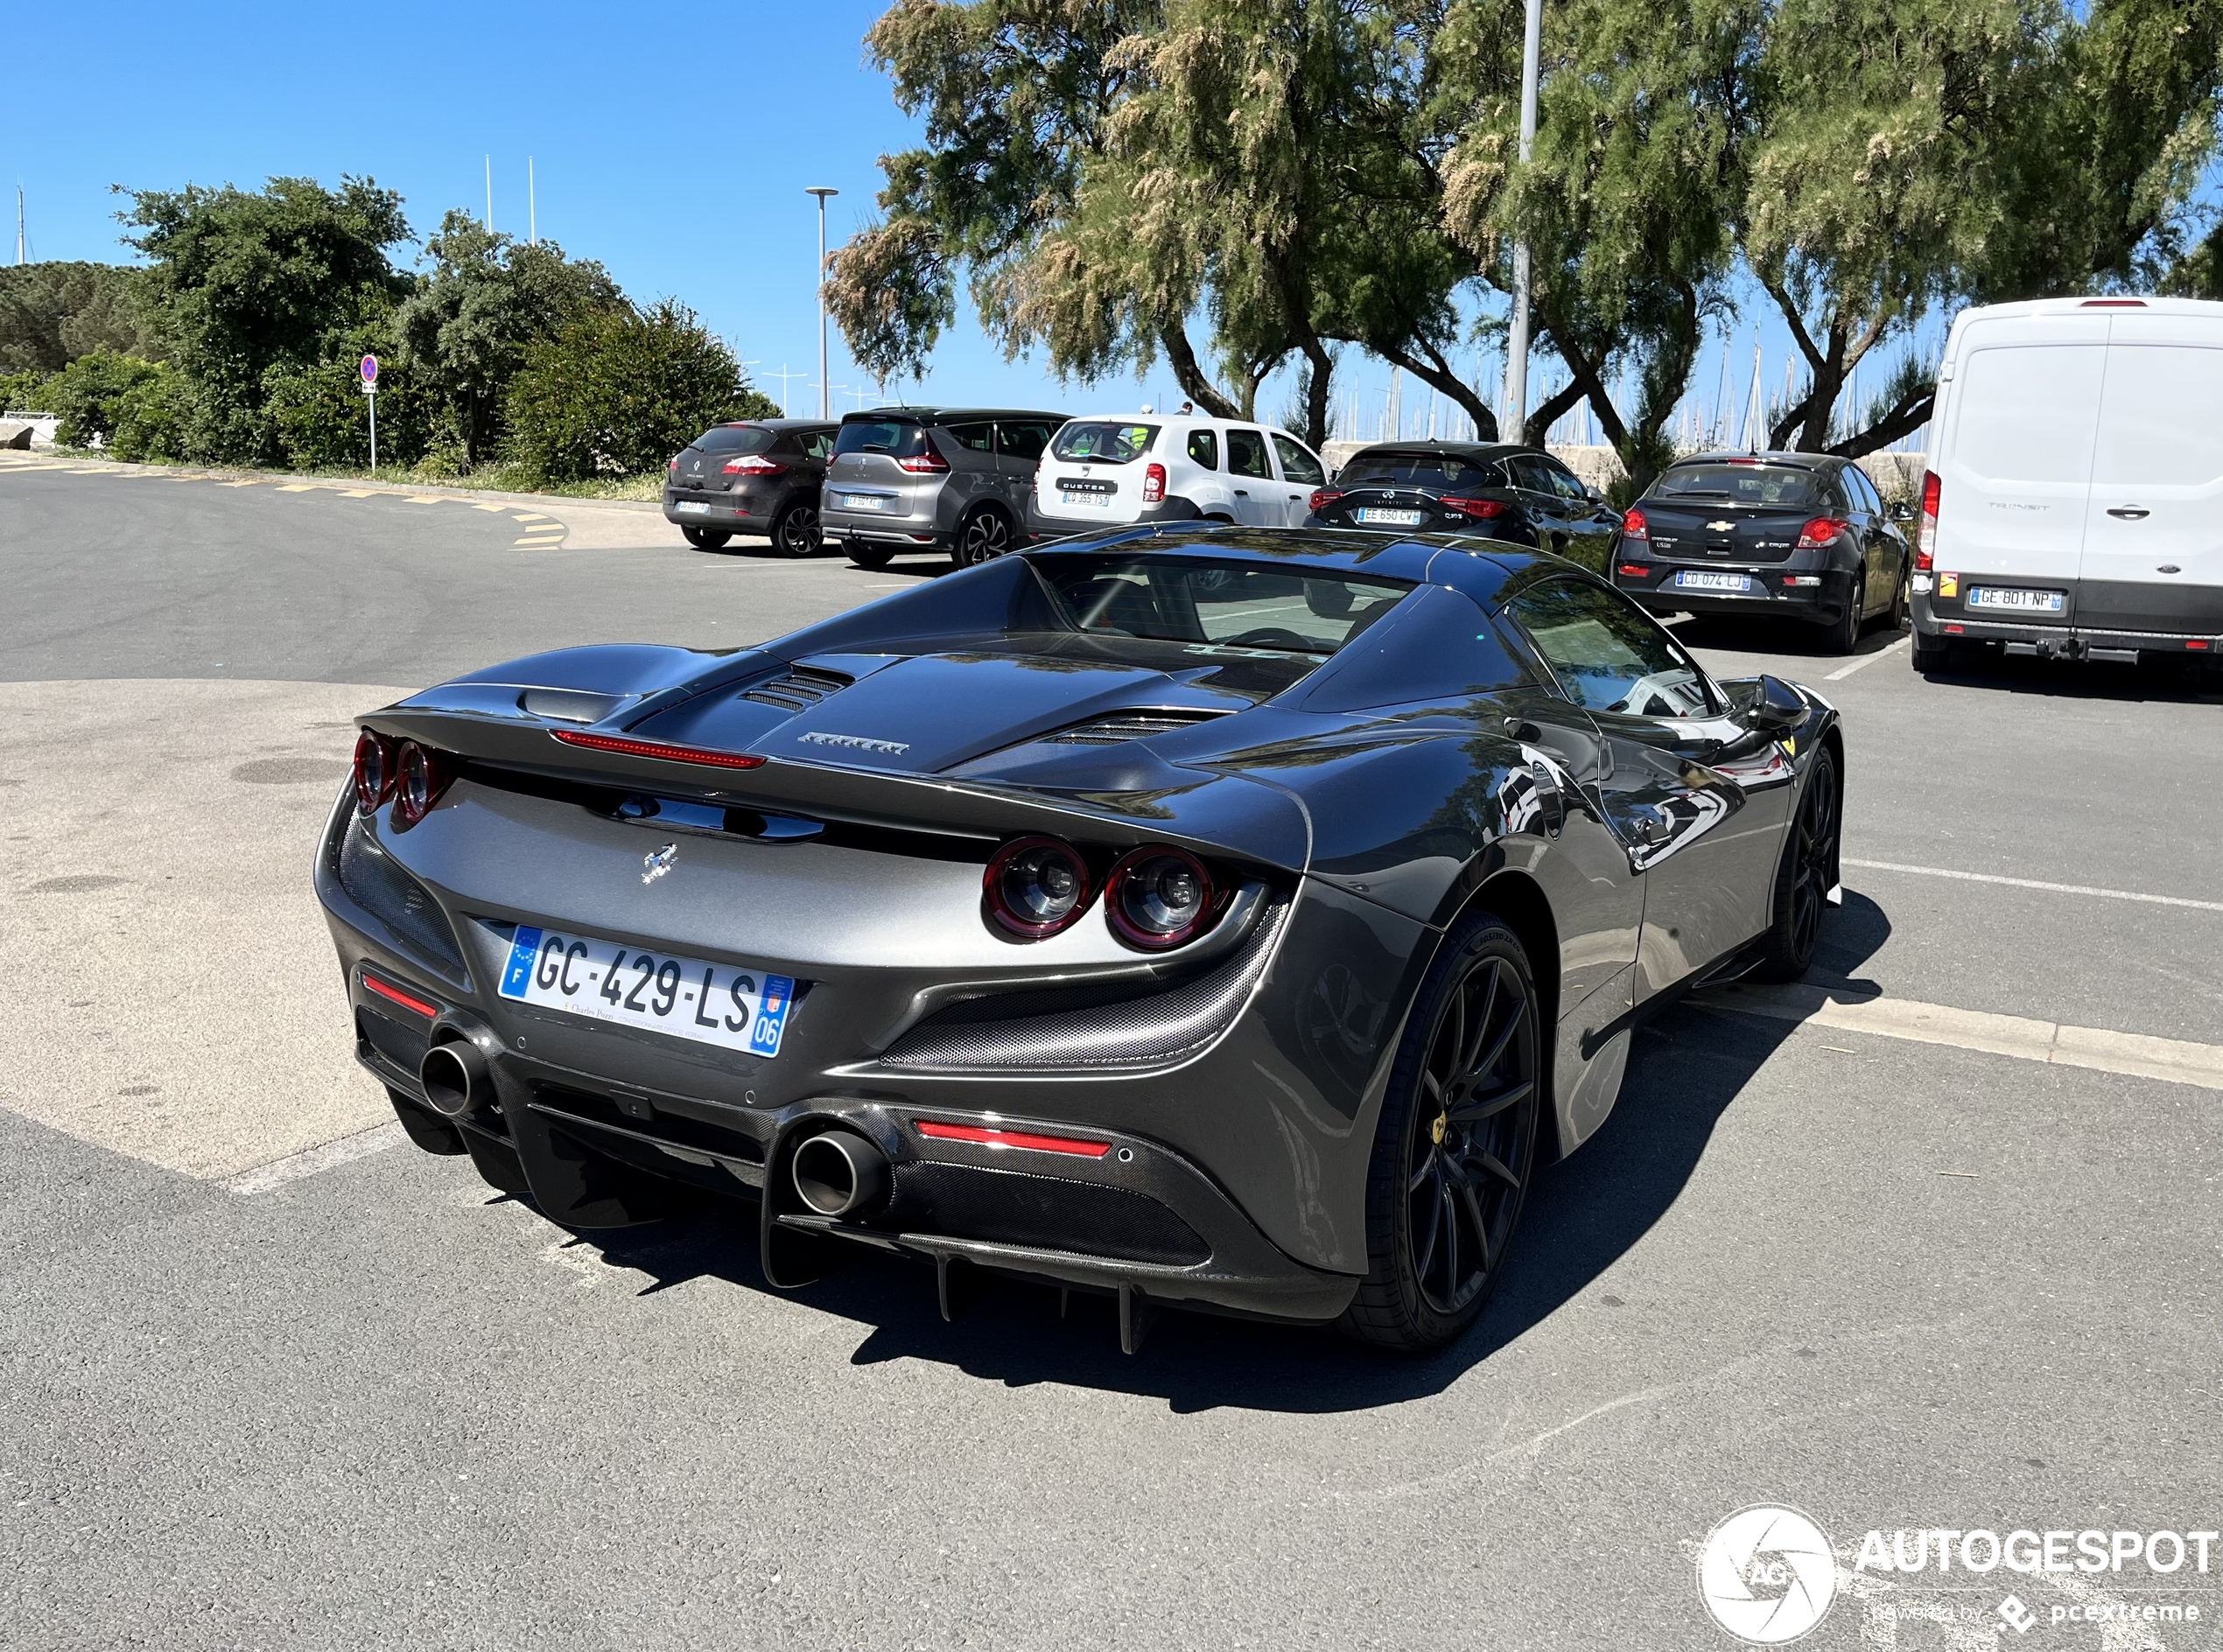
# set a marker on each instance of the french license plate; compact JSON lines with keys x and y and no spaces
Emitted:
{"x":862,"y":501}
{"x":1098,"y":500}
{"x":1706,"y":579}
{"x":709,"y":1003}
{"x":691,"y":507}
{"x":2029,"y":601}
{"x":1389,"y":517}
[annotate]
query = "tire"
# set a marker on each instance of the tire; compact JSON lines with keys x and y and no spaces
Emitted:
{"x":1934,"y":657}
{"x":867,"y":556}
{"x":706,"y":538}
{"x":1841,"y":635}
{"x":983,"y":536}
{"x":1803,"y":877}
{"x":1439,"y":1222}
{"x":795,"y":532}
{"x":1902,"y":597}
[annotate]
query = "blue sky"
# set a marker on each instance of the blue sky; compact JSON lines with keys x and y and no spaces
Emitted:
{"x":672,"y":144}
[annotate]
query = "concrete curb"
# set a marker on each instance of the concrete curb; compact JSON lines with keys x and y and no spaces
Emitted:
{"x":452,"y":490}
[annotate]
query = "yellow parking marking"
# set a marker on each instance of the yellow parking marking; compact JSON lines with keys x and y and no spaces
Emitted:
{"x":424,"y":499}
{"x":477,"y":505}
{"x":532,"y":544}
{"x":528,"y":516}
{"x":357,"y":493}
{"x":90,"y":469}
{"x":296,"y":488}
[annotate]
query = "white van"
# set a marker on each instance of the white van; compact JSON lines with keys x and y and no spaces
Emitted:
{"x":1109,"y":470}
{"x":2073,"y":500}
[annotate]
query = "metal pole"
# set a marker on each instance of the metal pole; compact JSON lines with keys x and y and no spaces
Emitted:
{"x":532,"y":204}
{"x":1514,"y":401}
{"x":373,"y":399}
{"x":490,"y":194}
{"x":825,"y":390}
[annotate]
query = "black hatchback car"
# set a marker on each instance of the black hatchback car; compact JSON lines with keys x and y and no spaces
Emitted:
{"x":1518,"y":494}
{"x":1798,"y":535}
{"x":753,"y":476}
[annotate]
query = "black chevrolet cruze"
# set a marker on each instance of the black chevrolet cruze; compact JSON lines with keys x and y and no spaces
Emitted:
{"x":1798,"y":535}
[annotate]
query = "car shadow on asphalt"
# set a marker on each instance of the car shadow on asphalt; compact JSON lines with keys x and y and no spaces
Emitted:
{"x":2185,"y":681}
{"x":1583,"y":1214}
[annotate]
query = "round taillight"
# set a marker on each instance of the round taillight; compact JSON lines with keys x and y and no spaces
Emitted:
{"x":418,"y":782}
{"x":374,"y":771}
{"x":1036,"y":886}
{"x":1158,"y":897}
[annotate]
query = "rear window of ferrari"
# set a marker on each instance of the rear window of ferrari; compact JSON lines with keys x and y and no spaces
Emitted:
{"x":1221,"y":604}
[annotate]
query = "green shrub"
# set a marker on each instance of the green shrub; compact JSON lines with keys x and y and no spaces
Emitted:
{"x":89,"y":395}
{"x":151,"y":417}
{"x":317,"y":412}
{"x":618,"y":393}
{"x":23,"y":392}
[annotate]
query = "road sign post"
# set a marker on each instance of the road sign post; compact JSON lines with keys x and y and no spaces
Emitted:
{"x":370,"y":397}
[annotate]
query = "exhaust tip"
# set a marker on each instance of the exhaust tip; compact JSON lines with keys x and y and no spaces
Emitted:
{"x":837,"y":1172}
{"x":455,"y":1079}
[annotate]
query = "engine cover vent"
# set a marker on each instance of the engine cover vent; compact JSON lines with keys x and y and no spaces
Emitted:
{"x":802,"y":687}
{"x":1122,"y":726}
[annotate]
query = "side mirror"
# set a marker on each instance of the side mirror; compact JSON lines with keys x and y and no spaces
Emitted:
{"x":1776,"y":706}
{"x":1901,"y":511}
{"x":1593,"y":495}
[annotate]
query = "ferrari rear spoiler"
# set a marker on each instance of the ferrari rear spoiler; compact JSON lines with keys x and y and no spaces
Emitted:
{"x":1222,"y":815}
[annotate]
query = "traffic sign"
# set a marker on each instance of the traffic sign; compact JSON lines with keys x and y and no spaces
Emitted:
{"x":370,"y":369}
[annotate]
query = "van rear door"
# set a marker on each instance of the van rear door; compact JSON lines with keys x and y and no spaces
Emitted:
{"x":2157,"y":480}
{"x":2015,"y":466}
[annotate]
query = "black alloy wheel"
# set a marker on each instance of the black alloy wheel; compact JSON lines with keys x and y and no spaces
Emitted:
{"x":867,"y":555}
{"x":984,"y":534}
{"x":1803,"y":881}
{"x":706,"y":538}
{"x":1456,"y":1145}
{"x":1843,"y":633}
{"x":796,"y":532}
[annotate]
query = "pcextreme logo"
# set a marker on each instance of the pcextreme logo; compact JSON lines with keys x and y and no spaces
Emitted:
{"x":1767,"y":1575}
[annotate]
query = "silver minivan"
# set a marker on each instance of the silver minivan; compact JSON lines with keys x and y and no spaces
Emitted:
{"x":916,"y":478}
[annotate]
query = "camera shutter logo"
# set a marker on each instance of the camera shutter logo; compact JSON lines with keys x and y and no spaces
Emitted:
{"x":1767,"y":1575}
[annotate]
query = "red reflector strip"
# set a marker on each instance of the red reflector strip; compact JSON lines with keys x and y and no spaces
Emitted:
{"x":1956,"y":630}
{"x":2197,"y":642}
{"x":662,"y":750}
{"x":988,"y":1138}
{"x":1635,"y":569}
{"x":394,"y":994}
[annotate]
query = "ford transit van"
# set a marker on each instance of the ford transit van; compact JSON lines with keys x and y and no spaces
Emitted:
{"x":2072,"y":504}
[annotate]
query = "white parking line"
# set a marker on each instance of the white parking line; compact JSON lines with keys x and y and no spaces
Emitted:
{"x":311,"y":1160}
{"x":1867,"y":660}
{"x":2033,"y":883}
{"x":2135,"y":1055}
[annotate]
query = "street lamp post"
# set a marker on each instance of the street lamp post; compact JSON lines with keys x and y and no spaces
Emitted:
{"x":1514,"y":401}
{"x":825,"y":393}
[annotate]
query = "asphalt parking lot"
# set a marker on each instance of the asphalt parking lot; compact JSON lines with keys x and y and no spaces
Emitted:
{"x":1933,"y":1243}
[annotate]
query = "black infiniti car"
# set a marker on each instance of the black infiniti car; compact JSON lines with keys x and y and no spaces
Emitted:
{"x":753,"y":476}
{"x":1226,"y":917}
{"x":1802,"y":536}
{"x":1491,"y":489}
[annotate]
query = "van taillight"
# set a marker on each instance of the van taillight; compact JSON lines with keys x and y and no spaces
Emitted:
{"x":1925,"y":526}
{"x":1154,"y":484}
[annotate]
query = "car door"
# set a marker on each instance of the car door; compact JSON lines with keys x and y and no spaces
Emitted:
{"x":1698,"y":802}
{"x":1020,"y":446}
{"x":1589,"y":525}
{"x":2153,"y":549}
{"x":1540,"y":501}
{"x":1300,"y":474}
{"x":1880,"y":545}
{"x":1250,"y":469}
